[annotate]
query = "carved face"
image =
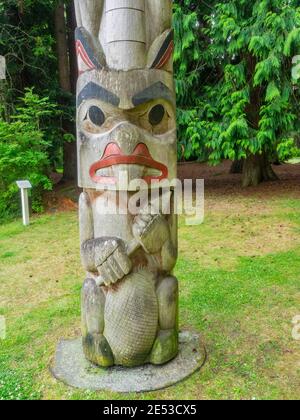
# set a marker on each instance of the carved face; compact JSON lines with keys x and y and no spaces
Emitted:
{"x":125,"y":123}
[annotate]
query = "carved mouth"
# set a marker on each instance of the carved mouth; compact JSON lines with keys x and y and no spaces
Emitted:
{"x":101,"y":171}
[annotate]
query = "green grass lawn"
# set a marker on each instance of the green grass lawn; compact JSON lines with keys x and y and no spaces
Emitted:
{"x":239,"y":278}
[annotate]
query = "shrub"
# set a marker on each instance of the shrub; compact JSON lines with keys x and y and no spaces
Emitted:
{"x":23,"y":153}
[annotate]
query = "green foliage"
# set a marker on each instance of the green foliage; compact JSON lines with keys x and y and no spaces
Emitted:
{"x":188,"y":68}
{"x":23,"y":152}
{"x":237,"y":96}
{"x":27,"y":40}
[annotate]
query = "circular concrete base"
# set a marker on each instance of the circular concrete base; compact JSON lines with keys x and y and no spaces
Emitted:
{"x":71,"y":367}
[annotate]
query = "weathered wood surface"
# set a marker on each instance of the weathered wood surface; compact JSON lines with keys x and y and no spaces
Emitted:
{"x":126,"y":129}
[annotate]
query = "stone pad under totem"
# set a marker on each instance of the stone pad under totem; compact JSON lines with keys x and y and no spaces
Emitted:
{"x":72,"y":368}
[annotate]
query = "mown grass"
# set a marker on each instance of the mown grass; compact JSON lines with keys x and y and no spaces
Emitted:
{"x":239,"y":277}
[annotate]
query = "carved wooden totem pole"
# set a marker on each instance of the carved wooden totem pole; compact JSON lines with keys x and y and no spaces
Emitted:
{"x":126,"y":129}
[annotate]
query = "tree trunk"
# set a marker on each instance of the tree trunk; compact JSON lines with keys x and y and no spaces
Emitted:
{"x":67,"y":85}
{"x":257,"y":169}
{"x":62,"y":47}
{"x":71,"y":26}
{"x":237,"y":167}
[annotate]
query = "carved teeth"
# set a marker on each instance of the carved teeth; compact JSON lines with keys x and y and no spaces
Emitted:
{"x":105,"y":172}
{"x":152,"y":172}
{"x":133,"y":171}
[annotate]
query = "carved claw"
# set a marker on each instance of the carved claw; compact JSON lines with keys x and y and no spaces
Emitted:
{"x":151,"y":231}
{"x":115,"y":267}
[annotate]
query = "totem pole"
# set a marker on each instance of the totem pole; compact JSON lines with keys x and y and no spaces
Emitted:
{"x":126,"y":128}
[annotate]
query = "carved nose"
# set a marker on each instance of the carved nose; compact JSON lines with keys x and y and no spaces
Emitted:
{"x":127,"y":138}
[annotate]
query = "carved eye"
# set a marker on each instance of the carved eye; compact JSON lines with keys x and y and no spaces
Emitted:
{"x":96,"y":116}
{"x":156,"y":115}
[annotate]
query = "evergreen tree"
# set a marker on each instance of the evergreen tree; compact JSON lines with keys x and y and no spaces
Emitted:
{"x":243,"y":103}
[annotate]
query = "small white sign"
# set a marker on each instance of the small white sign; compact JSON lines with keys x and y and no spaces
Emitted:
{"x":2,"y":68}
{"x":2,"y":328}
{"x":24,"y":184}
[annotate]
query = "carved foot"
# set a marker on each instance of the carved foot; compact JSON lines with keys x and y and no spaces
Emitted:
{"x":165,"y":347}
{"x":97,"y":350}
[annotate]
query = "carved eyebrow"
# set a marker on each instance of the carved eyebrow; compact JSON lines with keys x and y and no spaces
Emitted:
{"x":157,"y":91}
{"x":94,"y":91}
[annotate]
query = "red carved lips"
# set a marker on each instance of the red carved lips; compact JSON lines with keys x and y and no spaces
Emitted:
{"x":114,"y":156}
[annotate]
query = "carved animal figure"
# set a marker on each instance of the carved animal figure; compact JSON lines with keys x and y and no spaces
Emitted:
{"x":126,"y":129}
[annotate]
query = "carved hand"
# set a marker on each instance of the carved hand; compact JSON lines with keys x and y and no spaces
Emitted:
{"x":112,"y":262}
{"x":151,"y":231}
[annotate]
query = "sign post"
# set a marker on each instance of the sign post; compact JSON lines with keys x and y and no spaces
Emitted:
{"x":24,"y":187}
{"x":2,"y":67}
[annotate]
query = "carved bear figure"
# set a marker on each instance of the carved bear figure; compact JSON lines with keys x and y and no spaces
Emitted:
{"x":126,"y":130}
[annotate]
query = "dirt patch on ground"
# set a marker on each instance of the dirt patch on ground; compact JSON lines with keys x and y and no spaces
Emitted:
{"x":64,"y":197}
{"x":219,"y":181}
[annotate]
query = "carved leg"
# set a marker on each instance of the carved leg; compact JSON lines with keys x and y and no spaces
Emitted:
{"x":166,"y":345}
{"x":95,"y":345}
